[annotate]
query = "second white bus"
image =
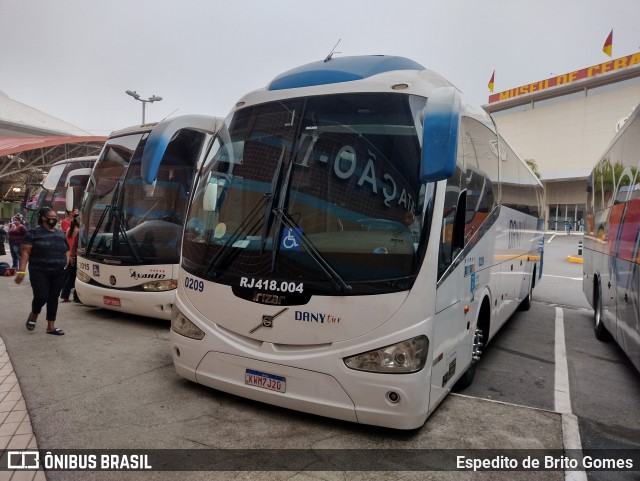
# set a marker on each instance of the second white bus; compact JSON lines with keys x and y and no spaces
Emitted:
{"x":611,"y":279}
{"x":133,"y":215}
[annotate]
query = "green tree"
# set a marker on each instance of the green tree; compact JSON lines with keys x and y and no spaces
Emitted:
{"x":533,"y":166}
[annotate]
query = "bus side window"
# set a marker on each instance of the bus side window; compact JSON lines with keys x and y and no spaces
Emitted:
{"x":449,"y":218}
{"x":480,"y":201}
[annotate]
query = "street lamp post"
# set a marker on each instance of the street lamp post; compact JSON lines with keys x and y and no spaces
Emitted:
{"x":144,"y":101}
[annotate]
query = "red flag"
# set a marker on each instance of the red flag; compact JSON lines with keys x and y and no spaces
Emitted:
{"x":608,"y":45}
{"x":490,"y":85}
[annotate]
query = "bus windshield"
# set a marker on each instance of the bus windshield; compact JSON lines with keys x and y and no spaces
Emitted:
{"x":131,"y":219}
{"x":322,"y":189}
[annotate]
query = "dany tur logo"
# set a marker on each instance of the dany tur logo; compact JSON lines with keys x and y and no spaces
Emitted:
{"x":316,"y":317}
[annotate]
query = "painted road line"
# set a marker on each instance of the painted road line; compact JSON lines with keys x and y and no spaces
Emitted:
{"x":563,"y":277}
{"x":561,"y":395}
{"x":562,"y":399}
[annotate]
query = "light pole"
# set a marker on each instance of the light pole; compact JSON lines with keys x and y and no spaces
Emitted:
{"x":137,"y":97}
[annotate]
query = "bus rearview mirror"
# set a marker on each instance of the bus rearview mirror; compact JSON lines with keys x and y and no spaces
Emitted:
{"x":68,"y":199}
{"x":212,"y":194}
{"x":210,"y":198}
{"x":441,"y":123}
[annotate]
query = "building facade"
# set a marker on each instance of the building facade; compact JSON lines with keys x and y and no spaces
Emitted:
{"x":564,"y":124}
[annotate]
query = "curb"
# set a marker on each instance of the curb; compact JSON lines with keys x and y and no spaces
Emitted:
{"x":575,"y":260}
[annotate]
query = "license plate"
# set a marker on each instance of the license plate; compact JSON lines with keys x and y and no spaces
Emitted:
{"x":265,"y":381}
{"x":111,"y":301}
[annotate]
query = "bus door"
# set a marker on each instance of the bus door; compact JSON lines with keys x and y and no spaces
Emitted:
{"x":626,"y":280}
{"x":453,"y":293}
{"x":609,"y":269}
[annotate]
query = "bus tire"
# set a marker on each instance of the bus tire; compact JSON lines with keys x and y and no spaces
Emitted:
{"x":480,"y":340}
{"x":525,"y":305}
{"x":598,"y":326}
{"x":467,"y":378}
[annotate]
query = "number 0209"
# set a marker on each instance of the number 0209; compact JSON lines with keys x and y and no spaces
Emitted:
{"x":195,"y":284}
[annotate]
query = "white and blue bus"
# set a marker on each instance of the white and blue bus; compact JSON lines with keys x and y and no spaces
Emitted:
{"x":133,"y":215}
{"x":611,"y":251}
{"x":356,"y":232}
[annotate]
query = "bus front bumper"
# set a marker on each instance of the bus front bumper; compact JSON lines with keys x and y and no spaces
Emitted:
{"x":347,"y":395}
{"x":150,"y":304}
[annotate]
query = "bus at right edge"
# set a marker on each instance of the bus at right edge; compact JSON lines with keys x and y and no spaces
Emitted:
{"x":611,"y":278}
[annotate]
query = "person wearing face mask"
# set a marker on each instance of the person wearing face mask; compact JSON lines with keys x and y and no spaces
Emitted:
{"x":66,"y":222}
{"x":70,"y":276}
{"x":46,"y":250}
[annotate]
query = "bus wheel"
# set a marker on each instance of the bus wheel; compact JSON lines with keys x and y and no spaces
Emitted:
{"x":598,"y":327}
{"x":467,"y":378}
{"x":525,"y":305}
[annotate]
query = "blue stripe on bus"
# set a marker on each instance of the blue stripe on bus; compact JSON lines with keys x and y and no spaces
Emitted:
{"x":342,"y":69}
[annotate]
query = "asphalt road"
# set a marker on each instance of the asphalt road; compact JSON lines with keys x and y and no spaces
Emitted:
{"x":110,"y":384}
{"x":519,"y":365}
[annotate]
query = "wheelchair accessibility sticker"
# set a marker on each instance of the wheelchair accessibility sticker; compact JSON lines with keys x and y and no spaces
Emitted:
{"x":290,"y":239}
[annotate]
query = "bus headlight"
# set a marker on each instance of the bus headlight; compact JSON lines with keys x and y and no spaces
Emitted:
{"x":401,"y":358}
{"x":156,"y":286}
{"x":183,"y":326}
{"x":83,"y":276}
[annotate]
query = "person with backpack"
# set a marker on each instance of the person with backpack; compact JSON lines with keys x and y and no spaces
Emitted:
{"x":16,"y":234}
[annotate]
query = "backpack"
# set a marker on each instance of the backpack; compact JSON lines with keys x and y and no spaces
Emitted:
{"x":6,"y":269}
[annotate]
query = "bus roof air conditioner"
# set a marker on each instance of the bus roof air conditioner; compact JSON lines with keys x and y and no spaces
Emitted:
{"x":441,"y":123}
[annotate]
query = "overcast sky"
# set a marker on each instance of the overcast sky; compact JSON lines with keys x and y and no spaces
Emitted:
{"x":74,"y":59}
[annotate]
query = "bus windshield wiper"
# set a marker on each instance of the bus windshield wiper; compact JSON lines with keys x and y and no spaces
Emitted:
{"x":324,"y":265}
{"x":120,"y":227}
{"x":114,"y":216}
{"x":225,"y":250}
{"x":275,"y":185}
{"x":95,"y":231}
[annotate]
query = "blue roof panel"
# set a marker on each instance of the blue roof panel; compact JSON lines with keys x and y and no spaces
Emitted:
{"x":341,"y":69}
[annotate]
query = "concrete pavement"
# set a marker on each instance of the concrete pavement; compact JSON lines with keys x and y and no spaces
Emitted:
{"x":16,"y":432}
{"x":109,"y":383}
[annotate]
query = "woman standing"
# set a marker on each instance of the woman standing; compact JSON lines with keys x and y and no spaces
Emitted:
{"x":70,"y":276}
{"x":47,"y":252}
